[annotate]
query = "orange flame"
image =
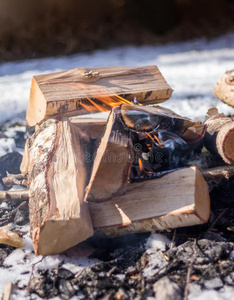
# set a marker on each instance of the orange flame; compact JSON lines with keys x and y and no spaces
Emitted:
{"x":101,"y":102}
{"x":155,"y":137}
{"x":142,"y":168}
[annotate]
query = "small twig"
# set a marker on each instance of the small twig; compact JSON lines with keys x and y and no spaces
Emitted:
{"x":186,"y":289}
{"x":173,"y":239}
{"x":31,"y":275}
{"x":11,"y":214}
{"x":218,"y":218}
{"x":19,"y":195}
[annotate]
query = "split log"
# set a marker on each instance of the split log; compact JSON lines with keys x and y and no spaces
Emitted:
{"x":93,"y":128}
{"x":58,"y":174}
{"x":219,"y":138}
{"x":178,"y":199}
{"x":81,"y":91}
{"x":224,"y":89}
{"x":112,"y":164}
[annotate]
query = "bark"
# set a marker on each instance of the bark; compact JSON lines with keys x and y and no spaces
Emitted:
{"x":58,"y":175}
{"x":219,"y":138}
{"x":224,"y":89}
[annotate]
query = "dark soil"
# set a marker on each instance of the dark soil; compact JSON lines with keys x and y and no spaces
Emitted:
{"x":205,"y":251}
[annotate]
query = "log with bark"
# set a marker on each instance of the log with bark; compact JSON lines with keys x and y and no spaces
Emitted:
{"x":81,"y":91}
{"x":224,"y":89}
{"x":219,"y":138}
{"x":58,"y":174}
{"x":178,"y":199}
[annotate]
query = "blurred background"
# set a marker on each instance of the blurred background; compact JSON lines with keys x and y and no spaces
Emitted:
{"x":32,"y":29}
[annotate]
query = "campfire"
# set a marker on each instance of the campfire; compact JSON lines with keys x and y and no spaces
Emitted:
{"x":134,"y":172}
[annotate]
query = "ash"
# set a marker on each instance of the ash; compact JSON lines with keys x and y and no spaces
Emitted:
{"x":139,"y":266}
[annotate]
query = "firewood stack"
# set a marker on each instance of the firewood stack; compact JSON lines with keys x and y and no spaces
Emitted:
{"x":128,"y":174}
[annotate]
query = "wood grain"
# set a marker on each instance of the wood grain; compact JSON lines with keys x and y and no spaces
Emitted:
{"x":58,"y":175}
{"x":178,"y":199}
{"x":66,"y":92}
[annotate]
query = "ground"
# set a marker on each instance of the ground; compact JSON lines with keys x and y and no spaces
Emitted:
{"x":139,"y":265}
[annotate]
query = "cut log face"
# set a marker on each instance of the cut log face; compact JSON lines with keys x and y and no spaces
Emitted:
{"x":81,"y":91}
{"x":219,"y":138}
{"x":112,"y":164}
{"x":57,"y":178}
{"x":178,"y":199}
{"x":224,"y":89}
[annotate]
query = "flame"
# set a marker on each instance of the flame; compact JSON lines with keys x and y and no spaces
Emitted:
{"x":155,"y":137}
{"x":142,"y":168}
{"x":101,"y":102}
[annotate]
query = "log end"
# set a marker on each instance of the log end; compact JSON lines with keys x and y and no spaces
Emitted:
{"x":202,"y":197}
{"x":57,"y":236}
{"x":223,"y":90}
{"x":225,"y":142}
{"x":36,"y":110}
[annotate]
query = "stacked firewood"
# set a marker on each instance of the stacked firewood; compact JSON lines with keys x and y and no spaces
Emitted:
{"x":131,"y":173}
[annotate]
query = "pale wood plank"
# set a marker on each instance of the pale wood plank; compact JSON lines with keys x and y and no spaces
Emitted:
{"x":66,"y":92}
{"x":178,"y":199}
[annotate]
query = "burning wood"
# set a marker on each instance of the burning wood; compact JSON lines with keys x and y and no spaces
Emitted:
{"x":139,"y":143}
{"x":59,"y":171}
{"x":71,"y":161}
{"x":80,"y":91}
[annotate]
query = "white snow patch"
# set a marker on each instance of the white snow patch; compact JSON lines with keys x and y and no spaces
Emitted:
{"x":19,"y":264}
{"x":155,"y":245}
{"x":7,"y":145}
{"x":225,"y":293}
{"x":157,"y":242}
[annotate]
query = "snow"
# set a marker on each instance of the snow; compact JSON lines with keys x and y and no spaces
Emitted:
{"x":7,"y":145}
{"x":156,"y":245}
{"x":156,"y":242}
{"x":225,"y":293}
{"x":191,"y":68}
{"x":22,"y":262}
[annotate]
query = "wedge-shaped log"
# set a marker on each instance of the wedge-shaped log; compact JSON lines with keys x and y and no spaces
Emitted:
{"x":58,"y":174}
{"x":224,"y":88}
{"x":178,"y":199}
{"x":112,"y":165}
{"x":79,"y":91}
